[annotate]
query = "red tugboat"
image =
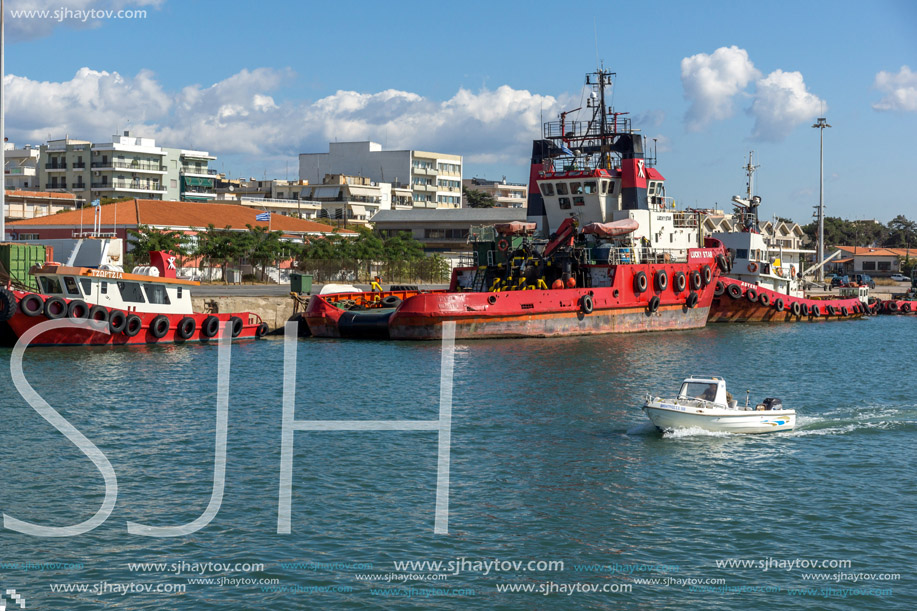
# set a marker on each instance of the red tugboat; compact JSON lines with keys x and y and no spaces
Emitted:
{"x":618,"y":258}
{"x":149,"y":306}
{"x":764,"y":282}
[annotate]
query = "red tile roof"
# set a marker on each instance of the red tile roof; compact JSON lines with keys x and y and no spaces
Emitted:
{"x":45,"y":194}
{"x":861,"y":251}
{"x":178,"y":215}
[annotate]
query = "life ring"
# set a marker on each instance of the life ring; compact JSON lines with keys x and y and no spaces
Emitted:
{"x":185,"y":328}
{"x":133,"y":325}
{"x":796,"y":308}
{"x":751,"y":295}
{"x":503,"y":245}
{"x":695,"y":280}
{"x":159,"y":326}
{"x":117,"y":321}
{"x":7,"y":304}
{"x":55,"y":308}
{"x":237,"y":325}
{"x":792,"y":271}
{"x":31,"y":304}
{"x":640,"y":283}
{"x":661,"y":280}
{"x":707,"y":274}
{"x":679,"y":282}
{"x":653,"y":305}
{"x":78,"y":309}
{"x":752,"y":267}
{"x":210,"y":326}
{"x":692,"y":299}
{"x":779,"y":305}
{"x":765,"y":299}
{"x":816,"y":311}
{"x":719,"y":289}
{"x":585,"y":303}
{"x":734,"y":291}
{"x":721,"y":263}
{"x":261,"y":331}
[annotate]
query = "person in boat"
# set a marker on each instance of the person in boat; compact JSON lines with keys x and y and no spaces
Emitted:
{"x":710,"y":393}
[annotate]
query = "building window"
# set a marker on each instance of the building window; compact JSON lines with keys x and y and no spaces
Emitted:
{"x":869,"y":266}
{"x":884,"y":266}
{"x":432,"y":234}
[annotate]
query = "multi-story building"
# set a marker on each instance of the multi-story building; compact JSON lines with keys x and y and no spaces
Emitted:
{"x":127,"y":166}
{"x":505,"y":194}
{"x":354,"y":199}
{"x":20,"y":167}
{"x":435,"y":179}
{"x":28,"y":204}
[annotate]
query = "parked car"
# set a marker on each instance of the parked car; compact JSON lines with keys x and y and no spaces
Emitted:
{"x":840,"y":281}
{"x":900,"y":278}
{"x":864,"y":280}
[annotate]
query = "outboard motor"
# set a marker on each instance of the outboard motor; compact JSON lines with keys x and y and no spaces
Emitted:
{"x":773,"y":403}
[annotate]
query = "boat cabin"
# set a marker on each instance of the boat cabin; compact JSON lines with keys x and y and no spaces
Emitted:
{"x":117,"y":289}
{"x":711,"y":389}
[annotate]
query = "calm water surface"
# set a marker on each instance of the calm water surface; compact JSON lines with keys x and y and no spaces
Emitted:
{"x":552,"y":462}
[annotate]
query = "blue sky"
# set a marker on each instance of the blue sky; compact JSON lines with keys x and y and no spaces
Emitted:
{"x":258,"y":83}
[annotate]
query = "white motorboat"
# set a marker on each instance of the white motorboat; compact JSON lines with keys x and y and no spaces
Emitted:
{"x":704,"y":403}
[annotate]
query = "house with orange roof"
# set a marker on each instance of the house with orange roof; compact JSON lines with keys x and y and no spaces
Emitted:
{"x":866,"y":260}
{"x":115,"y":219}
{"x":22,"y":204}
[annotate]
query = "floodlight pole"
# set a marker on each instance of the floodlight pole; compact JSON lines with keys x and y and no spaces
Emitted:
{"x":2,"y":121}
{"x":821,"y":123}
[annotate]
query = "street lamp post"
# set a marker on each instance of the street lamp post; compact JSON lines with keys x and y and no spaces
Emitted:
{"x":821,"y":123}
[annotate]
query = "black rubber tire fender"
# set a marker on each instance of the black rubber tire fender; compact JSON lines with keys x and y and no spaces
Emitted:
{"x":185,"y":328}
{"x":133,"y":325}
{"x":117,"y":321}
{"x":640,"y":282}
{"x":734,"y":290}
{"x":707,"y":275}
{"x":211,"y":326}
{"x":779,"y":305}
{"x":237,"y":325}
{"x":661,"y":280}
{"x":391,"y":301}
{"x":262,"y":329}
{"x":719,"y":289}
{"x":159,"y":326}
{"x":78,"y":309}
{"x":751,"y":295}
{"x":764,"y":299}
{"x":55,"y":308}
{"x":653,"y":305}
{"x":795,"y":308}
{"x":692,"y":299}
{"x":31,"y":304}
{"x":585,"y":304}
{"x":679,"y":282}
{"x":695,"y":280}
{"x":7,"y":304}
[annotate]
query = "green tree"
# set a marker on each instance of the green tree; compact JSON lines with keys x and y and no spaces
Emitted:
{"x":478,"y":199}
{"x":143,"y":239}
{"x":902,"y":233}
{"x":263,"y":247}
{"x":220,"y":246}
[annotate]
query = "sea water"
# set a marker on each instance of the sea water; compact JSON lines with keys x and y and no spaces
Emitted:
{"x":560,"y":492}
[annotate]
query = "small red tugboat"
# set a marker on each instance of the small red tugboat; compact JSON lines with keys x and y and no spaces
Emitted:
{"x":618,"y":258}
{"x":764,"y":282}
{"x":149,"y":306}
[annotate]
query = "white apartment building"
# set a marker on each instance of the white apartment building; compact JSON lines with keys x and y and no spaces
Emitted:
{"x":435,"y":179}
{"x":20,"y":167}
{"x":505,"y":194}
{"x":128,"y":166}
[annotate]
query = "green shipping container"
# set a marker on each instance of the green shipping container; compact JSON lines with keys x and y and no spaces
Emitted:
{"x":300,"y":283}
{"x":16,"y":261}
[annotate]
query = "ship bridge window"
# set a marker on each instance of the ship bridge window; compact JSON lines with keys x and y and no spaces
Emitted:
{"x":561,"y":188}
{"x":70,"y":284}
{"x":564,"y":203}
{"x":576,"y":188}
{"x":87,"y":286}
{"x":547,"y":188}
{"x":589,"y":187}
{"x":578,"y":201}
{"x":604,"y":185}
{"x":130,"y":292}
{"x":156,"y":293}
{"x":651,"y":190}
{"x":50,"y":285}
{"x":611,"y":187}
{"x":741,"y":253}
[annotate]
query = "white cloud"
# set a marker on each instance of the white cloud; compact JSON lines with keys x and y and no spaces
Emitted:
{"x":900,"y":90}
{"x":242,"y":115}
{"x":781,"y":103}
{"x":711,"y":82}
{"x":30,"y":19}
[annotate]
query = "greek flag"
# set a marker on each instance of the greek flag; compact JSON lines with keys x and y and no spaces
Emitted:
{"x":96,"y":202}
{"x":264,"y":216}
{"x":566,"y":150}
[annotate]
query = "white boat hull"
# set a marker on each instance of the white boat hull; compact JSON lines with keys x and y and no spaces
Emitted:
{"x":667,"y":416}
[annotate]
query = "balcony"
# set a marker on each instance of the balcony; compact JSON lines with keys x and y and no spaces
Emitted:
{"x":198,"y":171}
{"x":127,"y":185}
{"x":130,"y":166}
{"x":424,"y":171}
{"x":79,"y":165}
{"x":54,"y":185}
{"x":56,"y":166}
